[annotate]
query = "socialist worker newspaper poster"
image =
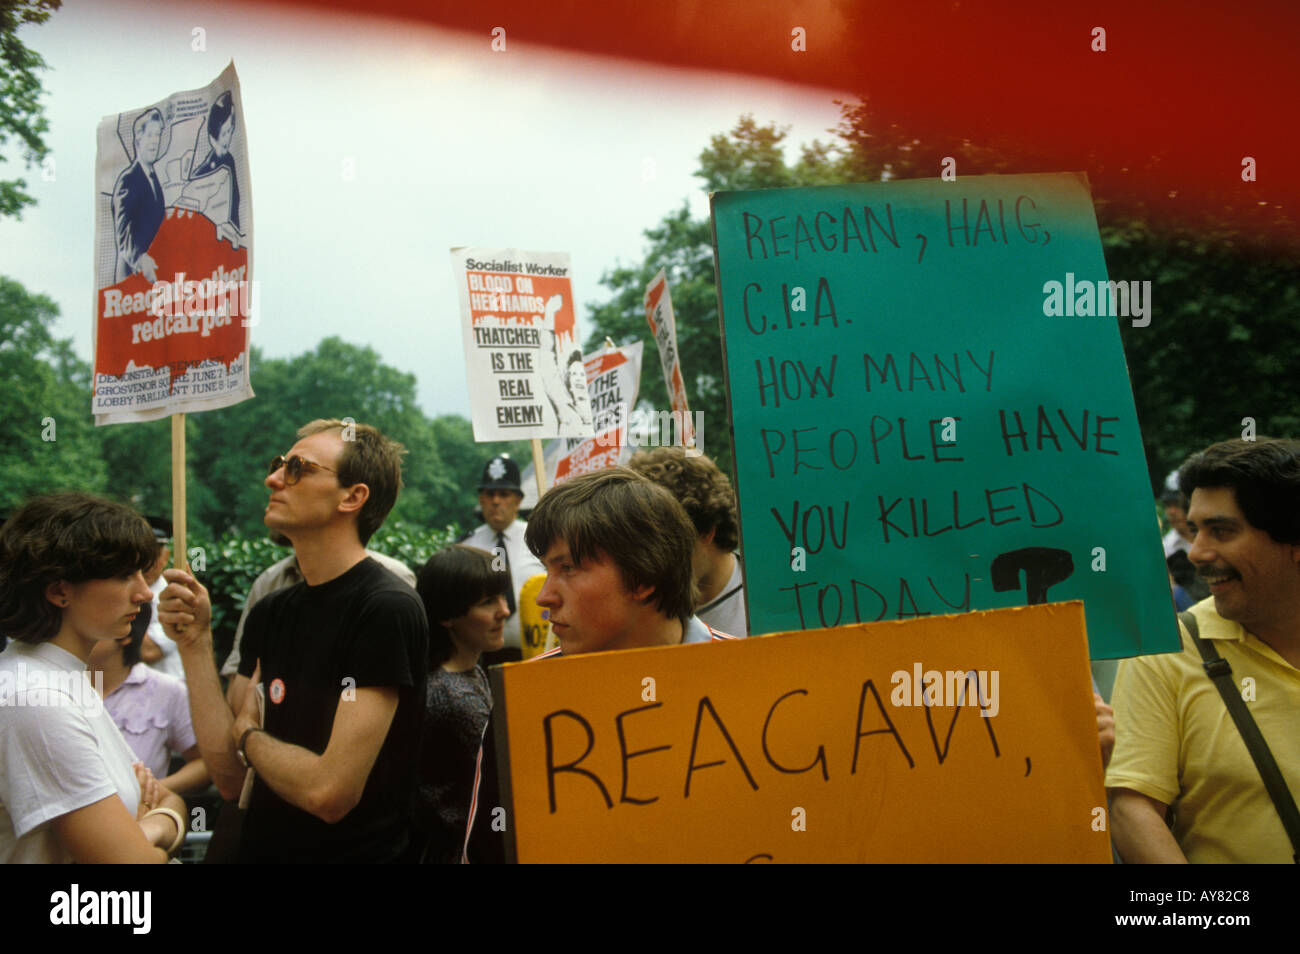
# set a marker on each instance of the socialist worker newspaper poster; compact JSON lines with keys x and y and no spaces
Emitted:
{"x":173,"y":256}
{"x":523,"y":358}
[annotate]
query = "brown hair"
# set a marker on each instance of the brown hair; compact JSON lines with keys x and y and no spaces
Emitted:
{"x":635,"y":522}
{"x":68,"y":536}
{"x":368,"y":458}
{"x":699,"y":486}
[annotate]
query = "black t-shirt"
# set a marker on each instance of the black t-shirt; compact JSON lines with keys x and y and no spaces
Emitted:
{"x":363,"y":629}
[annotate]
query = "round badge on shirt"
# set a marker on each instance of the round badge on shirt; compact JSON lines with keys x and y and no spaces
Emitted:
{"x":277,"y":691}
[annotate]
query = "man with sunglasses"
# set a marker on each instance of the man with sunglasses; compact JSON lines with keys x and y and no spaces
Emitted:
{"x":342,"y":657}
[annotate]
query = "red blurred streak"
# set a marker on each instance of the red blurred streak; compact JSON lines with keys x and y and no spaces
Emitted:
{"x":1200,"y":85}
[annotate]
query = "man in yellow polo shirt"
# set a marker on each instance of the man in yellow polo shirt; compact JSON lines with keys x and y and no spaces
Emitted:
{"x":1176,"y":745}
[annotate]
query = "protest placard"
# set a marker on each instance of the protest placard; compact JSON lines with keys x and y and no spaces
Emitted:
{"x":523,"y":358}
{"x":862,"y":743}
{"x":920,"y":426}
{"x":173,"y":256}
{"x":663,"y":326}
{"x":613,"y":380}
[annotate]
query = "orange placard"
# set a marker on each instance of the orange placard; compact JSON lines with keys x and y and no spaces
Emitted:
{"x":814,"y":747}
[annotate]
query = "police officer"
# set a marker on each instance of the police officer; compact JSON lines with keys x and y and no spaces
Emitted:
{"x":499,"y":497}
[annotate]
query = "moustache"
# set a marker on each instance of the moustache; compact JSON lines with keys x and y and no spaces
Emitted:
{"x":1214,"y":573}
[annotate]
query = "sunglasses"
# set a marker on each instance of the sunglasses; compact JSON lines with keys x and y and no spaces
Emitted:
{"x":295,"y":467}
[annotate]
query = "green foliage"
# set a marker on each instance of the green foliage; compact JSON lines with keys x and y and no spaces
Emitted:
{"x":20,"y":95}
{"x":46,"y":429}
{"x":463,"y":461}
{"x":683,"y":247}
{"x":232,"y":564}
{"x":876,"y":150}
{"x":1222,"y":344}
{"x":411,"y":544}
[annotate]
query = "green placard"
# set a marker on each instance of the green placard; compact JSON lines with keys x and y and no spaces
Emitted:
{"x":923,"y":424}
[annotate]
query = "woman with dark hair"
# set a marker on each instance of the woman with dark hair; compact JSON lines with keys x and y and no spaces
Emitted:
{"x":221,"y":130}
{"x":151,"y":709}
{"x":71,"y":576}
{"x":464,"y":597}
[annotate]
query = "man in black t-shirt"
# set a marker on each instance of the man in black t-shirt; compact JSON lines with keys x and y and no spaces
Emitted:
{"x":341,"y":656}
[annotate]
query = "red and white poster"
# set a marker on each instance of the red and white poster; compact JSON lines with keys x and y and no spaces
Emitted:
{"x":173,"y":256}
{"x":613,"y":378}
{"x":523,"y":359}
{"x":659,"y":315}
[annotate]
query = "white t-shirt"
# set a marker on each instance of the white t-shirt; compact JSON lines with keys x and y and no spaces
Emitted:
{"x":59,"y":751}
{"x":726,"y":611}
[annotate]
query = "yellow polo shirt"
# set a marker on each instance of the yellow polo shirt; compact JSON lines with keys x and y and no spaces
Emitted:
{"x":1176,"y":742}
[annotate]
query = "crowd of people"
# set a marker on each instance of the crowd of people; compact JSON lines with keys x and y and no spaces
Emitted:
{"x":356,"y":722}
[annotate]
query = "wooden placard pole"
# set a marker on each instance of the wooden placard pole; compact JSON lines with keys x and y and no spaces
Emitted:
{"x":539,"y":466}
{"x":178,"y":492}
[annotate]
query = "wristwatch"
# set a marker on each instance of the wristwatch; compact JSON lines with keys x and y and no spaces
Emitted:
{"x":243,"y":741}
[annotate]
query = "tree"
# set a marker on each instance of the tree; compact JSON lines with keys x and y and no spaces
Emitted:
{"x":46,"y":430}
{"x":749,"y":157}
{"x":138,"y":458}
{"x":1222,"y":345}
{"x":21,"y":114}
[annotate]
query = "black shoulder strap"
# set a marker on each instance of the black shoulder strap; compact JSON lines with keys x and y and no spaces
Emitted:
{"x":1220,"y":673}
{"x":721,"y":599}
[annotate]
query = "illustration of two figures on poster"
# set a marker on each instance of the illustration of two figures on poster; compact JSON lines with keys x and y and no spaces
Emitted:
{"x":181,"y":164}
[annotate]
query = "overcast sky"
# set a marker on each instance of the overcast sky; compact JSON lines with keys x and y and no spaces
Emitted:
{"x":449,"y":144}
